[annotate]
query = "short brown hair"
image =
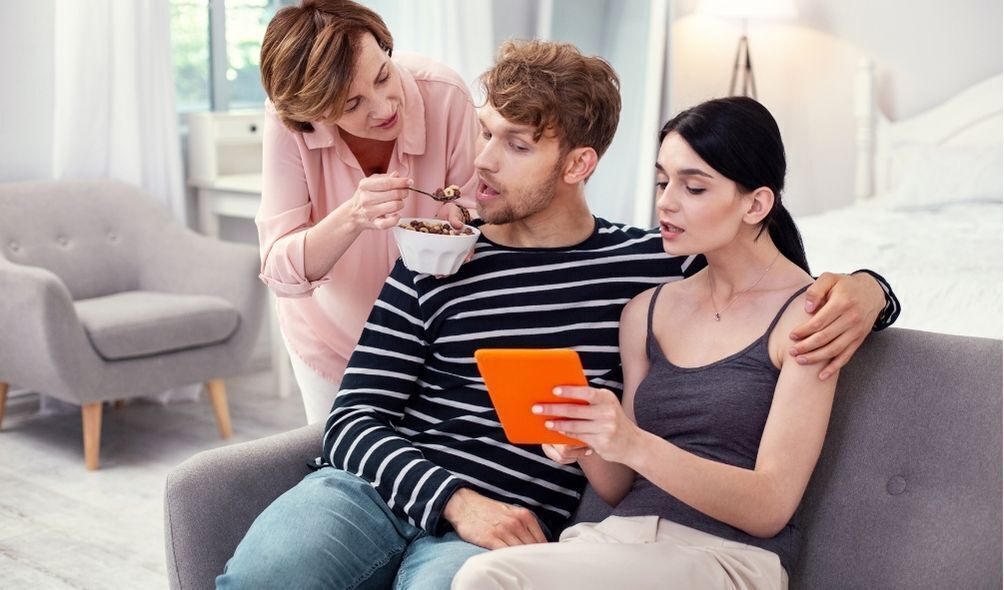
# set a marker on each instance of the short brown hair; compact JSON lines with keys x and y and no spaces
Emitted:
{"x":308,"y":57}
{"x":553,"y":86}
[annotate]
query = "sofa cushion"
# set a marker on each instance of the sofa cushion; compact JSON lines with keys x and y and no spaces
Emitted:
{"x":140,"y":323}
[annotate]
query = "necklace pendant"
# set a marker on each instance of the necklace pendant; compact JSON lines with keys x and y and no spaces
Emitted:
{"x":718,"y":318}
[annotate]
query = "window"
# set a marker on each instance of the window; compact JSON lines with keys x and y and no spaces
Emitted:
{"x":216,"y":44}
{"x":190,"y":49}
{"x":245,"y":27}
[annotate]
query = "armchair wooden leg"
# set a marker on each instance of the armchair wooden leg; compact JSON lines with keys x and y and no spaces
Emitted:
{"x":3,"y":401}
{"x":91,"y":414}
{"x":218,"y":395}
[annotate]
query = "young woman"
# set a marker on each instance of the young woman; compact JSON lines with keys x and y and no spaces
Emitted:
{"x":347,"y":130}
{"x":708,"y":455}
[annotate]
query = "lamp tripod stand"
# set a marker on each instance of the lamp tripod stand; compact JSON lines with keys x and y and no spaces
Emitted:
{"x":743,"y":62}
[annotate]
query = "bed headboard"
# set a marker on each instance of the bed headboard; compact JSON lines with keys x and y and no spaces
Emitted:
{"x":972,"y":117}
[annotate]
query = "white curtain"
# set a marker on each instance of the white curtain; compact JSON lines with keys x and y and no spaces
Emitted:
{"x":114,"y":114}
{"x":457,"y":33}
{"x":114,"y":96}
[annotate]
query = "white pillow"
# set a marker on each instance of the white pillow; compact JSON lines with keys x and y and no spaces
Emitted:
{"x":930,"y":176}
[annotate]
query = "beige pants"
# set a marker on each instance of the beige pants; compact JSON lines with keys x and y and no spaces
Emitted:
{"x":636,"y":552}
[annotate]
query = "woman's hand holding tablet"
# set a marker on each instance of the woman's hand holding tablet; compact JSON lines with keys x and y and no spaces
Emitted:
{"x":519,"y":379}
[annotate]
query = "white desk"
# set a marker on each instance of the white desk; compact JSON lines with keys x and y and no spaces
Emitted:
{"x":238,"y":195}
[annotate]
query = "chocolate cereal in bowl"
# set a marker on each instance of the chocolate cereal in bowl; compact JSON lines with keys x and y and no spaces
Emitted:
{"x":432,"y":246}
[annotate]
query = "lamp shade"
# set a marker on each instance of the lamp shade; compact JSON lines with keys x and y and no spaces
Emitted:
{"x":749,"y":9}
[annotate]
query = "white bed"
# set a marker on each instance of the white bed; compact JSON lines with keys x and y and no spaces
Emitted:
{"x":928,"y":213}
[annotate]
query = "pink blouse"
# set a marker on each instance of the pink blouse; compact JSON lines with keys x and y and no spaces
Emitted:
{"x":307,"y":175}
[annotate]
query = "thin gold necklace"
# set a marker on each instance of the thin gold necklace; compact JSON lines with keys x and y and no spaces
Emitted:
{"x":711,"y":289}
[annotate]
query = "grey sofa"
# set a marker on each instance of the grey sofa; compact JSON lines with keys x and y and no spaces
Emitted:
{"x":907,"y":493}
{"x":104,"y":296}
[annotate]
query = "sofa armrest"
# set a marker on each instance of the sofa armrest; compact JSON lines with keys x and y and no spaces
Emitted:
{"x":211,"y":499}
{"x":45,"y":346}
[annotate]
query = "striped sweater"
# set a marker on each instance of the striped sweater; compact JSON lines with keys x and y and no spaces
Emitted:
{"x":413,"y":416}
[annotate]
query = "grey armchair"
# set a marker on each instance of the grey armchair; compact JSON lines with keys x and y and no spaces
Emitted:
{"x":104,"y":296}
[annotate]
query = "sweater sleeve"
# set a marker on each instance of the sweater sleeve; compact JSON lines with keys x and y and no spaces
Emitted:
{"x":382,"y":376}
{"x":890,"y":312}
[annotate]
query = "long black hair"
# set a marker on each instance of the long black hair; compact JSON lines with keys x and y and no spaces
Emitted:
{"x":738,"y":137}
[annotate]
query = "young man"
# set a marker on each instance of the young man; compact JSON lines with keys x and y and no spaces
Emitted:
{"x":417,"y":475}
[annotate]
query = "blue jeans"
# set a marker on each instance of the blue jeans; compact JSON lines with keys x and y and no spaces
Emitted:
{"x":333,"y":531}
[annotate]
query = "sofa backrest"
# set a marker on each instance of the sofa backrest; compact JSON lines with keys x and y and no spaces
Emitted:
{"x":91,"y":234}
{"x":907,"y":491}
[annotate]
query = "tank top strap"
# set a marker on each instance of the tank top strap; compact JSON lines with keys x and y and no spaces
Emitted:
{"x":780,"y":312}
{"x":650,"y":337}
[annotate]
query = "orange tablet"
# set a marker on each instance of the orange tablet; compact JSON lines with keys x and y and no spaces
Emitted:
{"x":518,"y":378}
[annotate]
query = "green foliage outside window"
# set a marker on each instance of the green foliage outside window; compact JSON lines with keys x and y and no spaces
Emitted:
{"x":245,"y":21}
{"x":190,"y":48}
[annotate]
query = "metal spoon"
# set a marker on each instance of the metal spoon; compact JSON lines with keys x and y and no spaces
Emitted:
{"x":440,"y":198}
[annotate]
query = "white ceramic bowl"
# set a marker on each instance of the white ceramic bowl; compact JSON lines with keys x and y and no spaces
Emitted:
{"x":435,"y":254}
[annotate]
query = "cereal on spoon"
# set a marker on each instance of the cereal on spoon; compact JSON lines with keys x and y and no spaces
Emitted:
{"x":449,"y":193}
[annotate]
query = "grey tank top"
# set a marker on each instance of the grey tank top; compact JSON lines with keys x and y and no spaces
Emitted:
{"x":716,"y":411}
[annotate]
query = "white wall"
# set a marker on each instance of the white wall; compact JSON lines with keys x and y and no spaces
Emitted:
{"x":617,"y":30}
{"x":925,"y":51}
{"x":26,"y":59}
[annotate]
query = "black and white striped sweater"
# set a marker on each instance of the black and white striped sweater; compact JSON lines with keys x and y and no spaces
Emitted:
{"x":413,"y":415}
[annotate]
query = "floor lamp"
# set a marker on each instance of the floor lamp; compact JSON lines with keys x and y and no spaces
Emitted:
{"x":745,"y":63}
{"x":742,"y":82}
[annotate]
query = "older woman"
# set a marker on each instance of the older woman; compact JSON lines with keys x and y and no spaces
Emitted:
{"x":348,"y":129}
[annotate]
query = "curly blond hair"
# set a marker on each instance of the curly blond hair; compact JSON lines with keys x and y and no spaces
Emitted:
{"x":554,"y":87}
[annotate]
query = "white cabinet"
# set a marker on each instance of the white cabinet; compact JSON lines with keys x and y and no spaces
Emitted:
{"x":224,"y":164}
{"x":223,"y":144}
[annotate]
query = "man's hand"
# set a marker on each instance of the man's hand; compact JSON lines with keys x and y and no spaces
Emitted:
{"x":489,"y":523}
{"x":455,"y":214}
{"x":565,"y":454}
{"x":845,"y":308}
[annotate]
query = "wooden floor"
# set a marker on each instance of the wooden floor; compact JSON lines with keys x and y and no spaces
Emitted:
{"x":62,"y":526}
